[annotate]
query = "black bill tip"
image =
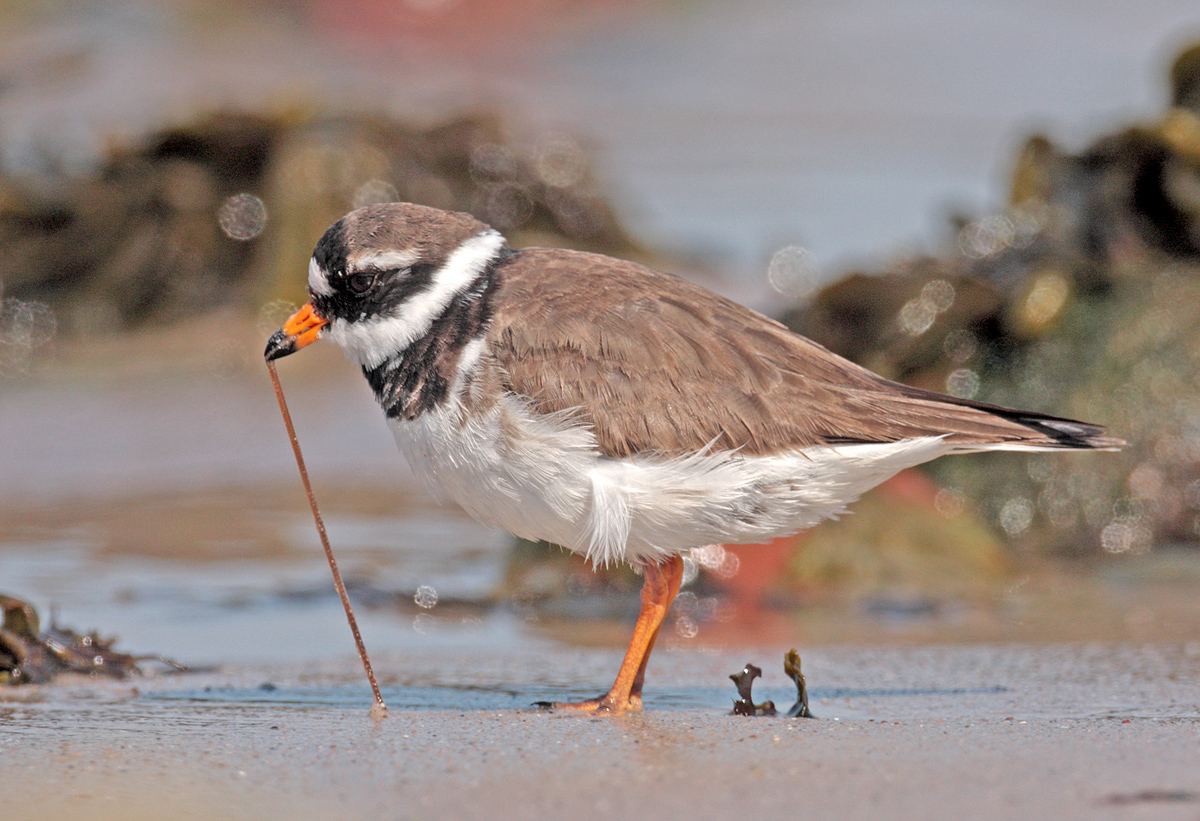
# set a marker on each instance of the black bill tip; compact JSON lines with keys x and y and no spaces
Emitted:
{"x":301,"y":330}
{"x":279,"y":345}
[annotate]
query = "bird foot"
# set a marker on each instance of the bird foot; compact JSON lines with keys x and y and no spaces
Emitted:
{"x":605,"y":705}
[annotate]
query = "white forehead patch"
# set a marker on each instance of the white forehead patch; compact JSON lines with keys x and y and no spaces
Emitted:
{"x":373,"y":340}
{"x":383,"y":261}
{"x":318,"y":280}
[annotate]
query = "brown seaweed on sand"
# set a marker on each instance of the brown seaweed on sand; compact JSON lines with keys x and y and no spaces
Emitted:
{"x":30,"y":655}
{"x":744,"y":705}
{"x":791,"y":666}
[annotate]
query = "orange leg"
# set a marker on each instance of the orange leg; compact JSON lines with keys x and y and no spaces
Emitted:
{"x":658,"y":591}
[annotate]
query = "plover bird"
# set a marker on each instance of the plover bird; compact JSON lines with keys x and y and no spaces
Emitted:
{"x":625,"y":414}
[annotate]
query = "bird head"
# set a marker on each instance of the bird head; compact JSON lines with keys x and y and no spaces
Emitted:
{"x":381,"y":275}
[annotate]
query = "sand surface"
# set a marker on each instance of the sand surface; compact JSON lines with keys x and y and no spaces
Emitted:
{"x":1092,"y":730}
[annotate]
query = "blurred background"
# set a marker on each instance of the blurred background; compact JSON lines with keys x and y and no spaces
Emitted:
{"x":1000,"y":200}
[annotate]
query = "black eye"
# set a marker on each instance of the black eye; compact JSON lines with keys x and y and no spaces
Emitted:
{"x":359,"y":284}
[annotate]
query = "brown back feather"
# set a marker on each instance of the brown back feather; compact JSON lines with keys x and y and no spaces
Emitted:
{"x":656,"y":364}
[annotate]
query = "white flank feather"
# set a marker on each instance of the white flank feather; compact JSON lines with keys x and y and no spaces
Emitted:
{"x":541,"y":477}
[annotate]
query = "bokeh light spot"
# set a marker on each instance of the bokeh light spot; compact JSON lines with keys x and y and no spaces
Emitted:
{"x":272,"y":315}
{"x":1016,"y":516}
{"x":963,"y":383}
{"x":717,"y":560}
{"x":426,"y":597}
{"x":491,"y":162}
{"x":948,"y":503}
{"x":1046,"y":299}
{"x":939,"y":293}
{"x":372,"y":192}
{"x":25,"y":329}
{"x":917,"y":316}
{"x":793,"y":271}
{"x":558,"y":161}
{"x":986,"y":237}
{"x":242,"y":216}
{"x":960,"y":345}
{"x":686,"y":627}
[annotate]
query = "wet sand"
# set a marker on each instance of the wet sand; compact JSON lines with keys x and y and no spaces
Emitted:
{"x":1048,"y":731}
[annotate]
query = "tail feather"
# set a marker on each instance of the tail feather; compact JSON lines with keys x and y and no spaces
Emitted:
{"x":985,"y":426}
{"x":1065,"y":433}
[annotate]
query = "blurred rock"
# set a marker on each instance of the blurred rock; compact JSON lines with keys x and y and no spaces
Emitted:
{"x":139,"y":240}
{"x":897,"y":323}
{"x":1080,"y":300}
{"x":225,"y":211}
{"x":908,"y":537}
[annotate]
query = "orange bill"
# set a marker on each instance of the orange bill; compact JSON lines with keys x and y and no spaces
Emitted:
{"x":300,"y":330}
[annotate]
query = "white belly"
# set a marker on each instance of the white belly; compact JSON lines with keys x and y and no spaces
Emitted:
{"x":542,"y":478}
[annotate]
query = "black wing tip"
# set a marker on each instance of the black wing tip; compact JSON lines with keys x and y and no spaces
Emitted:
{"x":1067,"y":433}
{"x":1060,"y":432}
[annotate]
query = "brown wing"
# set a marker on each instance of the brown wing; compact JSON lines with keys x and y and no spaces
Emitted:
{"x":656,"y":364}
